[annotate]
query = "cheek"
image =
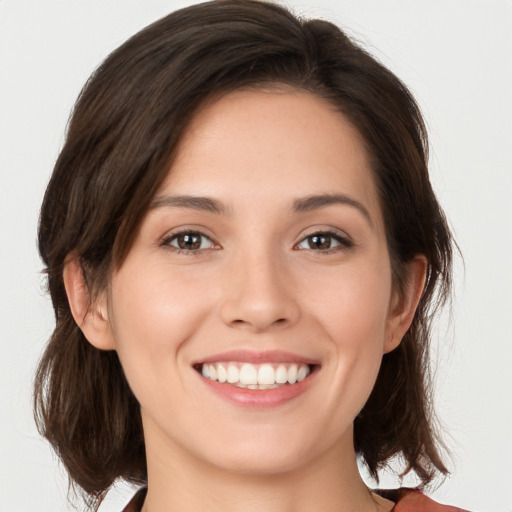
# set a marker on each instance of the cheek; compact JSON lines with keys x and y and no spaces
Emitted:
{"x":152,"y":315}
{"x":354,"y":317}
{"x":353,"y":304}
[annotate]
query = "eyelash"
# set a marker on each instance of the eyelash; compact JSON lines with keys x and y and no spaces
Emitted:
{"x":166,"y":242}
{"x":344,"y":242}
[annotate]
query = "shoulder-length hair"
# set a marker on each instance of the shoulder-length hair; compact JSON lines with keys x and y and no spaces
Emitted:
{"x":120,"y":143}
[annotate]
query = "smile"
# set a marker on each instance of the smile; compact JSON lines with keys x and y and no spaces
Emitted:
{"x":255,"y":376}
{"x":257,"y":380}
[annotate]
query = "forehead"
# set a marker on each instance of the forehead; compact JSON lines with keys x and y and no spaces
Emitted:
{"x":273,"y":144}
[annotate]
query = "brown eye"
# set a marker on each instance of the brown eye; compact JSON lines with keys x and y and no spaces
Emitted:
{"x":323,"y":241}
{"x":319,"y":241}
{"x":189,"y":241}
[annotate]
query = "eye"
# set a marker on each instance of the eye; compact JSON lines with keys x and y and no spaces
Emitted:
{"x":188,"y":241}
{"x":324,"y":241}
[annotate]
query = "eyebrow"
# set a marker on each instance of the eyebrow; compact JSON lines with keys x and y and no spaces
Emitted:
{"x":194,"y":202}
{"x":302,"y":205}
{"x":307,"y":204}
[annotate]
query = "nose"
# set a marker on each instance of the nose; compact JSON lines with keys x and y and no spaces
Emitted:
{"x":259,"y":294}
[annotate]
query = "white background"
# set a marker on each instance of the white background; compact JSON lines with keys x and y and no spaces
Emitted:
{"x":455,"y":55}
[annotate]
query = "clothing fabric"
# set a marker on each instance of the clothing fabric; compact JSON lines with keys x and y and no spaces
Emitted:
{"x":413,"y":500}
{"x":407,"y":500}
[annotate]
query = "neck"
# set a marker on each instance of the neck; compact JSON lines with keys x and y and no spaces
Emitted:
{"x":179,"y":482}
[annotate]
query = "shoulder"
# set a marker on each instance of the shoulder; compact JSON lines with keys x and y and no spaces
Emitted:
{"x":137,"y":501}
{"x":413,"y":500}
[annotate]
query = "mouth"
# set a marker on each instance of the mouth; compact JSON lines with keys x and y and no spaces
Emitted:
{"x":262,"y":376}
{"x":257,"y":380}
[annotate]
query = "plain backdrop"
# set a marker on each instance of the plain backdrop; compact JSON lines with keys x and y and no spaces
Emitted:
{"x":455,"y":55}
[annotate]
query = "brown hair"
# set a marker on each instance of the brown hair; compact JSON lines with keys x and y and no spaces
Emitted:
{"x":120,"y":143}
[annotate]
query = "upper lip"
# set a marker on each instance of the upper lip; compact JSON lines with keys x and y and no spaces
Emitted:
{"x":257,"y":357}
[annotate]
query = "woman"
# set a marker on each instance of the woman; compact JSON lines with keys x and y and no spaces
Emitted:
{"x":244,"y":253}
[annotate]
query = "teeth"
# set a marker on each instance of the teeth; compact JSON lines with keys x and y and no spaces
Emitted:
{"x":292,"y":374}
{"x":281,"y":374}
{"x":233,"y":374}
{"x":270,"y":386}
{"x":264,"y":376}
{"x":301,"y":374}
{"x":222,"y":374}
{"x":248,"y":374}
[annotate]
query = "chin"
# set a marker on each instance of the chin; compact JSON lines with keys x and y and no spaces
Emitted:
{"x":261,"y":463}
{"x":263,"y":454}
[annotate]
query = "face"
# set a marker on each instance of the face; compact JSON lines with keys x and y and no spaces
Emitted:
{"x":253,"y":310}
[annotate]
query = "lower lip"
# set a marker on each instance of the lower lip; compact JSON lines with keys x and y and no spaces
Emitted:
{"x":259,"y":398}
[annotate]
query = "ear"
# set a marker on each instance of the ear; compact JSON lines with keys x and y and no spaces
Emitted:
{"x":90,"y":316}
{"x":403,"y":306}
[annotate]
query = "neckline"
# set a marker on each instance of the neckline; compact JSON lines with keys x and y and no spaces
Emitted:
{"x":137,"y":501}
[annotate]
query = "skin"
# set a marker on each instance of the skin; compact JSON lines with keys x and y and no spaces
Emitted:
{"x":256,"y":283}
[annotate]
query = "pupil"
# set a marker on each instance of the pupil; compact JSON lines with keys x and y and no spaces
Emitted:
{"x":319,"y":242}
{"x":190,"y":242}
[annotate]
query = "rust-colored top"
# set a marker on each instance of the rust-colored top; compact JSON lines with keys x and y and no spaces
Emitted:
{"x":413,"y":500}
{"x":407,"y":500}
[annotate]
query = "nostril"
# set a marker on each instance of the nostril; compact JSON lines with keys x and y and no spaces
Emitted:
{"x":257,"y":326}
